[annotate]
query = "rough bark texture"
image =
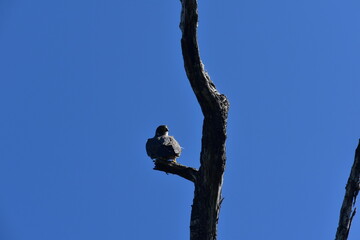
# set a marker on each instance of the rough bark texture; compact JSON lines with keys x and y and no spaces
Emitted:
{"x":207,"y":196}
{"x":208,"y":179}
{"x":348,"y":209}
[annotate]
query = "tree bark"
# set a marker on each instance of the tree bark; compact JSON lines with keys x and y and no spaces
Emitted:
{"x":214,"y":106}
{"x":208,"y":179}
{"x":348,"y":209}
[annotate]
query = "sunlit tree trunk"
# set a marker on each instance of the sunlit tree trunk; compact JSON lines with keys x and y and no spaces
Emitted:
{"x":208,"y":180}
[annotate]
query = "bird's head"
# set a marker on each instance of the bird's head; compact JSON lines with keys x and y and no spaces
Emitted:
{"x":161,"y":131}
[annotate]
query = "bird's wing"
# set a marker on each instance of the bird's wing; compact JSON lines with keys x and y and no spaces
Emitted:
{"x":152,"y":146}
{"x":176,"y":146}
{"x":164,"y":147}
{"x":172,"y":146}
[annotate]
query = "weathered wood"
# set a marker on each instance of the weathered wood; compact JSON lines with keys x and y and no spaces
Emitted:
{"x":188,"y":173}
{"x":348,"y":209}
{"x":207,"y":195}
{"x":208,"y":179}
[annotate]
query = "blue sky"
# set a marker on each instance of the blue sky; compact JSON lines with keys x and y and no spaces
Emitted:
{"x":83,"y":84}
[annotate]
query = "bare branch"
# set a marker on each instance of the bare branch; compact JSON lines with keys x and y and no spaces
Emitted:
{"x":188,"y":173}
{"x":348,"y":209}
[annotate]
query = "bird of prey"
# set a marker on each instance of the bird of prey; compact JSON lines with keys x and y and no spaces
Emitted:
{"x":162,"y":146}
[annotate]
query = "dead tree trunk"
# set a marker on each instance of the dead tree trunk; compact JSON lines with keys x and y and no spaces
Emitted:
{"x":348,"y":209}
{"x":208,"y":179}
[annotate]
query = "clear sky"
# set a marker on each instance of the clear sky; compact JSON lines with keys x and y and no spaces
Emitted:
{"x":83,"y":84}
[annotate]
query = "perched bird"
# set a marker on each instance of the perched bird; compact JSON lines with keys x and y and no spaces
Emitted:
{"x":162,"y":146}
